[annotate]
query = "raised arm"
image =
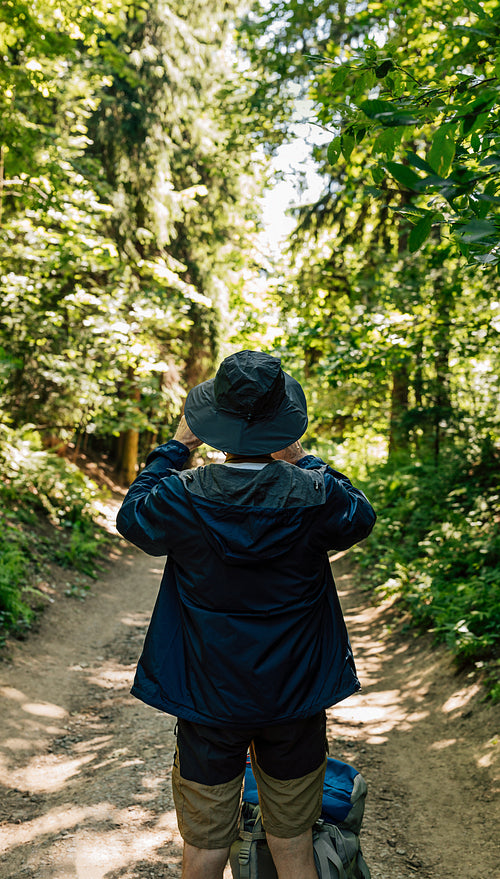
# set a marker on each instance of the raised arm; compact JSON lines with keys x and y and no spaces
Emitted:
{"x":148,"y":516}
{"x":348,"y":516}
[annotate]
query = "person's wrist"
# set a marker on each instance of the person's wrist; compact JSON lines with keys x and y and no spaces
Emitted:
{"x":185,"y":435}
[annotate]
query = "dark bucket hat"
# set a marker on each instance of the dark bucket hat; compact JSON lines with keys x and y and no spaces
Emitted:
{"x":251,"y":407}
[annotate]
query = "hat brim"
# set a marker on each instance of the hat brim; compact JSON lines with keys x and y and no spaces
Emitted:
{"x":229,"y":433}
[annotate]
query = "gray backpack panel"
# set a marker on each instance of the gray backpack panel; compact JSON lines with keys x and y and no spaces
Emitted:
{"x":337,"y":853}
{"x":354,"y":819}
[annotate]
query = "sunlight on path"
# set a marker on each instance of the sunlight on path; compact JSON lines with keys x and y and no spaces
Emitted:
{"x":84,"y":770}
{"x":423,"y":740}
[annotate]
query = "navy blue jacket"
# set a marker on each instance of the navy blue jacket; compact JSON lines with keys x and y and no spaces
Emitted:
{"x":247,"y":628}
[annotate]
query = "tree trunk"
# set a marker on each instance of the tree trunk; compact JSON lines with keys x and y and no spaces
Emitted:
{"x":202,"y":341}
{"x":128,"y":442}
{"x":127,"y":468}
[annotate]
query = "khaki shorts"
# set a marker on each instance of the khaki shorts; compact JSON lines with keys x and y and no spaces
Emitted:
{"x":288,"y":761}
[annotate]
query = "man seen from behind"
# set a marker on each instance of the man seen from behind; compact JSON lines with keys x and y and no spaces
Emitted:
{"x":247,"y":645}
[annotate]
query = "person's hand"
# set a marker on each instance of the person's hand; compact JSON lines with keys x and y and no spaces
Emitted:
{"x":185,"y":436}
{"x":291,"y":454}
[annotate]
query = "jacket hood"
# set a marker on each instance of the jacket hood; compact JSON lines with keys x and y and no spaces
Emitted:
{"x":250,"y":515}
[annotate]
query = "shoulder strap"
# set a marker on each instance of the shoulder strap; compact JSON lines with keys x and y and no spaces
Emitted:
{"x":247,"y":857}
{"x":325,"y":852}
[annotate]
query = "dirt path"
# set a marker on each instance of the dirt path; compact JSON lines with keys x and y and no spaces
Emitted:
{"x":84,"y":768}
{"x":428,"y":746}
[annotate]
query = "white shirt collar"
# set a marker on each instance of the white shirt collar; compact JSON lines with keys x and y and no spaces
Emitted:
{"x":247,"y":465}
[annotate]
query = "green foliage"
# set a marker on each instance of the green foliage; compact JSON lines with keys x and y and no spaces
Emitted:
{"x":380,"y":312}
{"x":421,"y":97}
{"x":82,"y":548}
{"x":38,"y":488}
{"x":14,"y":612}
{"x":493,"y":682}
{"x":40,"y":480}
{"x":126,"y":199}
{"x":436,"y":546}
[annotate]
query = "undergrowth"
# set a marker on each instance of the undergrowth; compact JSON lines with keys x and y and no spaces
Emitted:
{"x":39,"y":489}
{"x":436,"y":547}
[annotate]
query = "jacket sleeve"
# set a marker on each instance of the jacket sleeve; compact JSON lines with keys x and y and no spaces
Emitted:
{"x":347,"y":516}
{"x":146,"y":518}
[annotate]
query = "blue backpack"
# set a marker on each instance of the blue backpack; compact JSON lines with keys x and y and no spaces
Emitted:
{"x":337,"y":851}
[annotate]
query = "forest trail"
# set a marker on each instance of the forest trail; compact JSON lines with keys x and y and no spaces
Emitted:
{"x":84,"y":767}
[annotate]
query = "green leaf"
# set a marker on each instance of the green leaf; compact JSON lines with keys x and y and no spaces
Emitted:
{"x":372,"y":190}
{"x":473,"y":121}
{"x":377,"y":174}
{"x":333,"y":151}
{"x":479,"y":207}
{"x":409,"y":209}
{"x":442,"y":151}
{"x":363,"y":84}
{"x":347,"y":143}
{"x":488,"y":197}
{"x":387,"y":113}
{"x":473,"y":6}
{"x":312,"y":57}
{"x":383,"y":68}
{"x":385,"y":142}
{"x":404,"y":175}
{"x":475,"y":142}
{"x":486,"y":258}
{"x":420,"y":232}
{"x":417,"y":162}
{"x":477,"y":230}
{"x":338,"y":78}
{"x":493,"y":159}
{"x":376,"y":109}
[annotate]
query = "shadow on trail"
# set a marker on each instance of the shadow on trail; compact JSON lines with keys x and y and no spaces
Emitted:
{"x":85,"y":768}
{"x":98,"y":795}
{"x":426,"y":744}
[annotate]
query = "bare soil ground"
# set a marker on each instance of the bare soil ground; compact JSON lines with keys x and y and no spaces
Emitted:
{"x":85,"y":768}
